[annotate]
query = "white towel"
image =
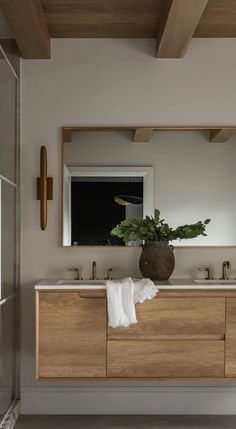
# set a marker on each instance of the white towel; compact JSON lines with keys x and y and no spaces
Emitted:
{"x":120,"y":301}
{"x":144,"y":289}
{"x":122,"y":295}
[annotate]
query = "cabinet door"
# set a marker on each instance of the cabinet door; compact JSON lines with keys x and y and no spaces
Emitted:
{"x":165,"y":359}
{"x":71,"y":335}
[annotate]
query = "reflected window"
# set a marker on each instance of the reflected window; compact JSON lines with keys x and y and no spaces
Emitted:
{"x":98,"y":204}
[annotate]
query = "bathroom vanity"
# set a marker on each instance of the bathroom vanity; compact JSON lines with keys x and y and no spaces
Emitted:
{"x":187,"y":332}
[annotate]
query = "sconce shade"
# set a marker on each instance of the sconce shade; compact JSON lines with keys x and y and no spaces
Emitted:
{"x":44,"y":188}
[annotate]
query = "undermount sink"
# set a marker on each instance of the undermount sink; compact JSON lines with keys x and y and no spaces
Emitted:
{"x":86,"y":282}
{"x":216,"y":281}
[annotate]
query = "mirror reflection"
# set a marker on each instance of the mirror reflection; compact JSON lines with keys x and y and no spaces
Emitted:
{"x":99,"y":203}
{"x":192,"y":179}
{"x":96,"y":199}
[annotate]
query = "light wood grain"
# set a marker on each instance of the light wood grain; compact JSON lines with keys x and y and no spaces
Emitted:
{"x":28,"y":26}
{"x":103,"y":18}
{"x":142,"y":135}
{"x":164,"y":293}
{"x":221,"y":135}
{"x":180,"y":24}
{"x":230,"y":352}
{"x":179,"y":335}
{"x":173,"y":359}
{"x":71,"y":336}
{"x":198,"y":318}
{"x":130,"y":18}
{"x":218,"y":19}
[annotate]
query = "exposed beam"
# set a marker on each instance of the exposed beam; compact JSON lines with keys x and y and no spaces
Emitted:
{"x":221,"y":135}
{"x":181,"y":20}
{"x":28,"y":26}
{"x":142,"y":135}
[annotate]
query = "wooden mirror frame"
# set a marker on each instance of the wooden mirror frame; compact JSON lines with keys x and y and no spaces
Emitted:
{"x":142,"y":134}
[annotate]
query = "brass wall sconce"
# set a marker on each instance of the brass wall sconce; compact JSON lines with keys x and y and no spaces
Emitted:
{"x":44,"y":188}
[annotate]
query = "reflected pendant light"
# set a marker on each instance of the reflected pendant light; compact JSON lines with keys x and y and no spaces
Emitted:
{"x":126,"y":200}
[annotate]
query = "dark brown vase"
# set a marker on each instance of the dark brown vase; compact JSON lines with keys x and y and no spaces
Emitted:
{"x":157,"y":260}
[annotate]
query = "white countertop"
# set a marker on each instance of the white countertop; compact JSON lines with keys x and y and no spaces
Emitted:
{"x":68,"y":284}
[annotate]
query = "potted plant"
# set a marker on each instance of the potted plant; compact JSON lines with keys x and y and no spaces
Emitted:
{"x":157,"y":259}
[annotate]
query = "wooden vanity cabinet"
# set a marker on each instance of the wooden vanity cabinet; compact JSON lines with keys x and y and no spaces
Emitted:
{"x":70,"y":335}
{"x":179,"y":335}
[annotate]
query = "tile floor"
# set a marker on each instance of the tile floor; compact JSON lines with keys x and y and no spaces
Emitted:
{"x":126,"y":422}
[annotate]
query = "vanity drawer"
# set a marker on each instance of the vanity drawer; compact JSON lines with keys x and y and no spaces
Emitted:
{"x":165,"y":359}
{"x":176,"y":318}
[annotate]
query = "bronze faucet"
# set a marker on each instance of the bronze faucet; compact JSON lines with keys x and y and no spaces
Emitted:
{"x":94,"y":271}
{"x":225,"y":265}
{"x":76,"y":271}
{"x":209,"y":276}
{"x":109,"y":273}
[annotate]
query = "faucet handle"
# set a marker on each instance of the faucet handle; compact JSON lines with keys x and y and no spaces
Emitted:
{"x":209,"y":276}
{"x":76,"y":272}
{"x":109,"y":271}
{"x":226,"y":265}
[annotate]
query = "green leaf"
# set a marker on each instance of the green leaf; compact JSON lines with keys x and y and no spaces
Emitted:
{"x":154,"y":228}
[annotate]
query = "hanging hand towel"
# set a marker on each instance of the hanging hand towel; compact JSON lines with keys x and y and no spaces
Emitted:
{"x":120,"y":301}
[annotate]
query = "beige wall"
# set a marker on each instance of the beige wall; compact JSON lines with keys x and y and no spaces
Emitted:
{"x":106,"y":82}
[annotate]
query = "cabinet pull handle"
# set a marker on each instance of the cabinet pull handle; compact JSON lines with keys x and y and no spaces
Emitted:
{"x":85,"y":296}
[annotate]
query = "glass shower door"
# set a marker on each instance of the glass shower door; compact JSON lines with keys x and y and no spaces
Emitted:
{"x":7,"y":358}
{"x":8,"y":238}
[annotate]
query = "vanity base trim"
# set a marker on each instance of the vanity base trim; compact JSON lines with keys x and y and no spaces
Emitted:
{"x":140,"y":399}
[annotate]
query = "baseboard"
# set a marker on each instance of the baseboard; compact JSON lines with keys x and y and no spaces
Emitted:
{"x":11,"y":416}
{"x":128,"y":400}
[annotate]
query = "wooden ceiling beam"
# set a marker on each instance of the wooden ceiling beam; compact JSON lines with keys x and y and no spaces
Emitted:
{"x":178,"y":27}
{"x":142,"y":135}
{"x":221,"y":135}
{"x":28,"y":26}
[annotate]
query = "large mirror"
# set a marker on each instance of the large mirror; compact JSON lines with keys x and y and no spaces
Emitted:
{"x":105,"y":180}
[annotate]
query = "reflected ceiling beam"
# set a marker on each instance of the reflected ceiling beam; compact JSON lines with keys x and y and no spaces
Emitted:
{"x":28,"y":26}
{"x":182,"y":18}
{"x":221,"y":135}
{"x":142,"y":135}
